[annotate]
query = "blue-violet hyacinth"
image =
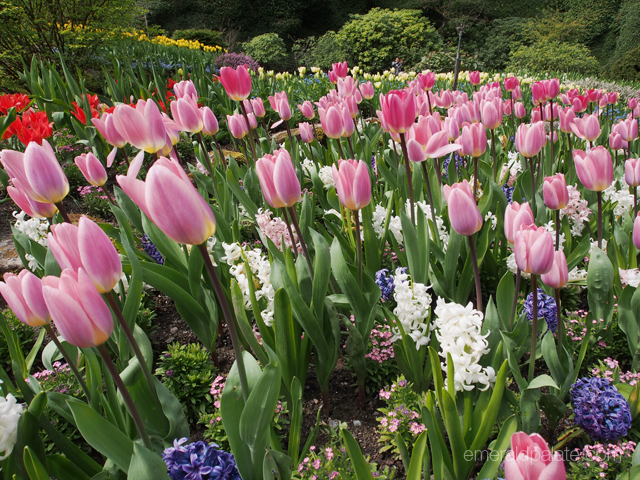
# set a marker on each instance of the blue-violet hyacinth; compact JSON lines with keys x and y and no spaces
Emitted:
{"x":385,"y":282}
{"x":600,"y":409}
{"x":151,"y":250}
{"x":508,"y":191}
{"x":546,"y":309}
{"x":199,"y":461}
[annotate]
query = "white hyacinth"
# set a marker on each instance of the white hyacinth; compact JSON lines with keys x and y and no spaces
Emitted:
{"x":10,"y":411}
{"x":622,"y":198}
{"x":34,"y":228}
{"x":458,"y":329}
{"x":412,"y":309}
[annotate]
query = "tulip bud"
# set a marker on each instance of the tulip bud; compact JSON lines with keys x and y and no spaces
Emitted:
{"x":531,"y":458}
{"x":533,"y":248}
{"x":632,"y":172}
{"x":399,"y":110}
{"x":352,"y":183}
{"x":464,"y":214}
{"x":515,"y":216}
{"x":474,"y":78}
{"x":594,"y":169}
{"x":278,"y":179}
{"x":258,"y":107}
{"x":23,"y":294}
{"x":209,"y":121}
{"x":554,"y":189}
{"x":92,"y":169}
{"x":307,"y":109}
{"x":519,"y":110}
{"x":558,"y":276}
{"x":45,"y":179}
{"x":366,"y":89}
{"x":237,"y":125}
{"x":306,"y":132}
{"x":530,"y":139}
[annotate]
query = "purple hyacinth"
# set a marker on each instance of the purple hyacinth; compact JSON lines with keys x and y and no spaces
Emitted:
{"x":508,"y":191}
{"x":600,"y":409}
{"x":151,"y":250}
{"x":385,"y":282}
{"x":199,"y":461}
{"x":546,"y":309}
{"x":459,"y":162}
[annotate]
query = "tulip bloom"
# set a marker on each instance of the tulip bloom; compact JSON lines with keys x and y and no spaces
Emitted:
{"x":558,"y":276}
{"x":533,"y":248}
{"x":78,"y":311}
{"x":554,"y":189}
{"x":37,"y":172}
{"x":237,"y":125}
{"x":632,"y":172}
{"x":366,"y":89}
{"x":511,"y":83}
{"x":399,"y":110}
{"x":278,"y":179}
{"x":567,"y":117}
{"x":23,"y":294}
{"x":108,"y":130}
{"x":519,"y":110}
{"x":530,"y":139}
{"x":237,"y":82}
{"x":474,"y":78}
{"x":306,"y":132}
{"x":185,"y":88}
{"x":515,"y":216}
{"x":352,"y":183}
{"x":187,"y":115}
{"x":209,"y":121}
{"x":587,"y":127}
{"x":142,"y":126}
{"x":258,"y":107}
{"x":617,"y":143}
{"x":307,"y":109}
{"x":341,"y":69}
{"x":627,"y":129}
{"x":464,"y":214}
{"x":594,"y":169}
{"x":29,"y":206}
{"x":537,"y":93}
{"x":636,"y":232}
{"x":280,"y":104}
{"x":492,"y":113}
{"x":333,"y":120}
{"x":433,"y":145}
{"x":531,"y":459}
{"x":184,"y":216}
{"x":92,"y":169}
{"x":479,"y":138}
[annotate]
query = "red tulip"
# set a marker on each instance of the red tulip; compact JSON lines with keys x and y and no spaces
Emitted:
{"x":558,"y":276}
{"x":533,"y":248}
{"x":464,"y":214}
{"x":23,"y":294}
{"x":594,"y":169}
{"x":554,"y":190}
{"x":531,"y":459}
{"x":237,"y":82}
{"x":352,"y":183}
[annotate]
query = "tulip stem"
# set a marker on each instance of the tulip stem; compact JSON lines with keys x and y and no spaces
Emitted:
{"x":534,"y":325}
{"x":433,"y":207}
{"x":124,"y":154}
{"x":207,"y":159}
{"x":215,"y":139}
{"x":635,"y":202}
{"x":429,"y":100}
{"x":235,"y":340}
{"x":395,"y":152}
{"x":551,"y":134}
{"x":293,"y":240}
{"x":68,"y":359}
{"x":557,"y":230}
{"x":134,"y":345}
{"x":305,"y":252}
{"x":358,"y":246}
{"x":246,"y":119}
{"x":475,"y":178}
{"x":370,"y":109}
{"x":403,"y":143}
{"x":493,"y":154}
{"x":515,"y":298}
{"x":286,"y":124}
{"x":476,"y":272}
{"x":133,"y":411}
{"x":436,"y":161}
{"x":63,"y":212}
{"x":533,"y":186}
{"x":340,"y":149}
{"x":106,"y":192}
{"x":353,"y":154}
{"x":599,"y":219}
{"x":560,"y":328}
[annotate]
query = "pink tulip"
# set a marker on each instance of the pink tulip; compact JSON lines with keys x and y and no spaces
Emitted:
{"x":333,"y":78}
{"x":36,"y":172}
{"x":594,"y":169}
{"x":531,"y":459}
{"x":352,"y":183}
{"x":23,"y":294}
{"x":92,"y":169}
{"x":519,"y":110}
{"x":551,"y":88}
{"x":536,"y":116}
{"x":253,"y":121}
{"x":516,"y":94}
{"x":538,"y":93}
{"x":107,"y":128}
{"x":533,"y":248}
{"x":558,"y":276}
{"x":474,"y":78}
{"x":627,"y":129}
{"x":506,"y":108}
{"x":77,"y":309}
{"x":511,"y":83}
{"x":332,"y":120}
{"x":237,"y":82}
{"x":351,"y":104}
{"x":307,"y":109}
{"x":579,"y":103}
{"x":426,"y":80}
{"x":347,"y":121}
{"x":237,"y":125}
{"x":426,"y":140}
{"x":247,"y":105}
{"x":554,"y":190}
{"x":612,"y":97}
{"x":347,"y":86}
{"x":548,"y":111}
{"x":280,"y":104}
{"x":515,"y":216}
{"x":306,"y":132}
{"x":567,"y":117}
{"x":142,"y":126}
{"x":278,"y":179}
{"x":209,"y":122}
{"x":187,"y":115}
{"x":184,"y":216}
{"x":452,"y":128}
{"x":258,"y":107}
{"x":445,"y":100}
{"x":530,"y":139}
{"x":185,"y":88}
{"x":492,"y":113}
{"x":587,"y":127}
{"x":632,"y":172}
{"x":399,"y":110}
{"x":479,"y":138}
{"x":636,"y":232}
{"x":29,"y":206}
{"x":632,"y":103}
{"x":616,"y":142}
{"x":366,"y":89}
{"x":341,"y":69}
{"x":464,"y":214}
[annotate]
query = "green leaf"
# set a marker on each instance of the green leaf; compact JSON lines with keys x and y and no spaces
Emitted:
{"x":241,"y":317}
{"x":146,"y":465}
{"x":34,"y":467}
{"x":259,"y":409}
{"x":360,"y":464}
{"x":504,"y":299}
{"x":169,"y":249}
{"x":62,"y":468}
{"x":600,"y":277}
{"x":415,"y":468}
{"x":542,"y":381}
{"x":502,"y":443}
{"x":491,"y":414}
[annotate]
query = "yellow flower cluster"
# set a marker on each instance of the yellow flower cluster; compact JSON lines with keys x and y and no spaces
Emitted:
{"x":190,"y":44}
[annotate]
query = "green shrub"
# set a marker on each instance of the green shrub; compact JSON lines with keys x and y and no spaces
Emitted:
{"x":373,"y":40}
{"x":626,"y":67}
{"x":552,"y":56}
{"x":188,"y":373}
{"x":204,"y":36}
{"x":444,"y":60}
{"x":318,"y":52}
{"x":629,"y":36}
{"x":268,"y":50}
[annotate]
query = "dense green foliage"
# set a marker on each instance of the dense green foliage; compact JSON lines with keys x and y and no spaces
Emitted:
{"x":550,"y":55}
{"x":268,"y":49}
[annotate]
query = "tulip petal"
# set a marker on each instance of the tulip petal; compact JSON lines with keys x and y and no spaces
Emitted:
{"x":98,"y":255}
{"x":71,"y":321}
